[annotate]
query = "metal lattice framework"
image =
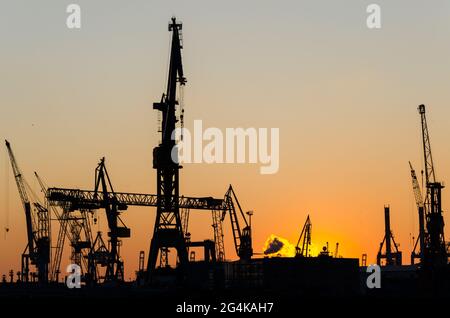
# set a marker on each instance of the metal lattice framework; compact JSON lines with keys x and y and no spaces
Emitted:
{"x":75,"y":199}
{"x":304,"y":241}
{"x":37,"y":225}
{"x":434,"y":242}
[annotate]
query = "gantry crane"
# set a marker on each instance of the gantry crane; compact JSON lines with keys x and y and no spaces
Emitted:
{"x":76,"y":199}
{"x":37,"y":224}
{"x":99,"y":255}
{"x":76,"y":228}
{"x":434,"y":250}
{"x":391,"y":257}
{"x":118,"y":230}
{"x":56,"y":260}
{"x":304,"y":240}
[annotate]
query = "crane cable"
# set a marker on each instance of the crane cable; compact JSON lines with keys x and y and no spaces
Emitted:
{"x":6,"y":174}
{"x":159,"y":118}
{"x":413,"y":218}
{"x":181,"y":110}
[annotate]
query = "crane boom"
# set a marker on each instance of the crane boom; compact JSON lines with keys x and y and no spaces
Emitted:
{"x":304,"y":239}
{"x":242,"y":237}
{"x":37,"y":225}
{"x":427,"y":155}
{"x":18,"y":176}
{"x":416,"y":187}
{"x":76,"y":199}
{"x":420,"y":241}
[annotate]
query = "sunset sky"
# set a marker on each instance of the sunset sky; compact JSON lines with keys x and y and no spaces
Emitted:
{"x":344,"y":97}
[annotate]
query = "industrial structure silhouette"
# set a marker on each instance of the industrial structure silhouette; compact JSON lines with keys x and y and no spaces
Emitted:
{"x":303,"y":274}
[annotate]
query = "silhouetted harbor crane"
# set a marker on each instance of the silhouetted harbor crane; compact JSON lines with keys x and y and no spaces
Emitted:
{"x":391,"y":257}
{"x":37,"y":224}
{"x":304,"y":240}
{"x":171,"y":226}
{"x":431,"y":233}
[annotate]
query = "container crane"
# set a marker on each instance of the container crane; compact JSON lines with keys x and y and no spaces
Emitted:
{"x":117,"y":229}
{"x":37,"y":220}
{"x":391,"y":257}
{"x":76,"y":199}
{"x":71,"y":227}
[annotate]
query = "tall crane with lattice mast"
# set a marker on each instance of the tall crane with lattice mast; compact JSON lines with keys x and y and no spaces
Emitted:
{"x":433,"y":246}
{"x":37,"y":217}
{"x":168,"y":232}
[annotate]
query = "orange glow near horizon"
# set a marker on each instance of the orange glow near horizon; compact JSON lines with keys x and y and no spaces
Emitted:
{"x":288,"y":249}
